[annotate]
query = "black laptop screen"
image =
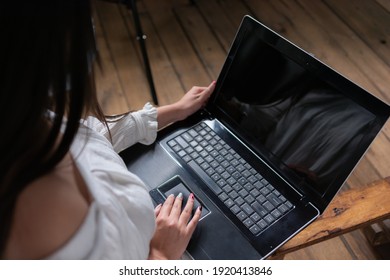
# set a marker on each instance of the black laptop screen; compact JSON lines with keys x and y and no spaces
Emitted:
{"x":304,"y":124}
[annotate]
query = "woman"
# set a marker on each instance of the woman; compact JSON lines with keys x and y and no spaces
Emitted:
{"x":65,"y":193}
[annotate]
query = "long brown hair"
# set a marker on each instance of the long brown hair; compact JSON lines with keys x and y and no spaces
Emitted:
{"x":46,"y":58}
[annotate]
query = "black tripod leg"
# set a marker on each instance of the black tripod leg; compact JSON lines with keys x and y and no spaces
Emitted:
{"x":141,"y":39}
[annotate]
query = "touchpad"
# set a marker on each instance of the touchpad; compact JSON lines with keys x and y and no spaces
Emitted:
{"x":175,"y":186}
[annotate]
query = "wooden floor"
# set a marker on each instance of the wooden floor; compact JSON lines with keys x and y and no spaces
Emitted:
{"x":187,"y":44}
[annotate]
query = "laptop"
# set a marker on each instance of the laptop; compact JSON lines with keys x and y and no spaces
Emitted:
{"x":277,"y":140}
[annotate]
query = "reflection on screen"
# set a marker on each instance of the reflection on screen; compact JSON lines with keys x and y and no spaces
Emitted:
{"x":309,"y":126}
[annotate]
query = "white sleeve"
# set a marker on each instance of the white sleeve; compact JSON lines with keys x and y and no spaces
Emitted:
{"x":140,"y":126}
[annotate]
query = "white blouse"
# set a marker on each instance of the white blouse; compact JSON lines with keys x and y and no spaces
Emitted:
{"x":120,"y":221}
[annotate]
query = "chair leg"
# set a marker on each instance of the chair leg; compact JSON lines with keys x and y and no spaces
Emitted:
{"x":141,"y":37}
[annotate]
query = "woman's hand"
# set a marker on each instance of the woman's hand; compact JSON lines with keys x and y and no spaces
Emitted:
{"x":195,"y":99}
{"x":174,"y":228}
{"x":192,"y":101}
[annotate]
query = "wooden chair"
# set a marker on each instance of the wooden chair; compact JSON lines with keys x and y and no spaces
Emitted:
{"x":353,"y":209}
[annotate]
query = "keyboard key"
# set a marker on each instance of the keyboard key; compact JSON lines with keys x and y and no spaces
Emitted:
{"x":229,"y":202}
{"x":210,"y":171}
{"x":240,"y":168}
{"x":187,"y":137}
{"x":223,"y":196}
{"x":215,"y":177}
{"x":252,"y":179}
{"x":181,"y":142}
{"x":262,"y":224}
{"x":220,"y":169}
{"x":198,"y":148}
{"x":242,"y":181}
{"x":237,"y":187}
{"x":250,"y":199}
{"x":194,"y":143}
{"x":255,"y":217}
{"x":283,"y":209}
{"x":241,"y":215}
{"x":243,"y":193}
{"x":255,"y":229}
{"x":225,"y":175}
{"x":235,"y":209}
{"x":181,"y":153}
{"x":248,"y":223}
{"x":274,"y":199}
{"x":192,"y":132}
{"x":255,"y":192}
{"x":231,"y":181}
{"x":261,"y":198}
{"x":172,"y":143}
{"x":247,"y":209}
{"x":264,"y":191}
{"x":205,"y":166}
{"x":248,"y":187}
{"x":221,"y":183}
{"x":246,"y":173}
{"x":258,"y":185}
{"x":236,"y":175}
{"x":276,"y":213}
{"x":239,"y":201}
{"x":269,"y":219}
{"x":268,"y":205}
{"x":187,"y":158}
{"x":233,"y":195}
{"x":288,"y":204}
{"x":227,"y":189}
{"x":199,"y":161}
{"x":259,"y":209}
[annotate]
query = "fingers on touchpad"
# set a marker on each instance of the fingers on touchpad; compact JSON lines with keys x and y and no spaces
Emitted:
{"x":176,"y":186}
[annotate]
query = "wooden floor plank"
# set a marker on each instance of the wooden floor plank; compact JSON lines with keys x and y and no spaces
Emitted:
{"x":364,"y":173}
{"x":180,"y":51}
{"x":377,"y":155}
{"x":375,"y":34}
{"x":128,"y":63}
{"x":209,"y":50}
{"x":358,"y":243}
{"x":165,"y":78}
{"x":236,"y":10}
{"x":108,"y":87}
{"x":220,"y":22}
{"x":333,"y":249}
{"x":362,"y":56}
{"x":385,"y":4}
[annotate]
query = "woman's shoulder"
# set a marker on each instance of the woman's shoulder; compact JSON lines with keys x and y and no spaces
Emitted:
{"x":47,"y":214}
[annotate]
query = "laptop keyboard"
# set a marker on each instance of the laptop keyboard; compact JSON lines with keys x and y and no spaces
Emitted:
{"x":250,"y":197}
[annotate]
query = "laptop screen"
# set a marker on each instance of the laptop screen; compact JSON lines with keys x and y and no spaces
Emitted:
{"x":302,"y":124}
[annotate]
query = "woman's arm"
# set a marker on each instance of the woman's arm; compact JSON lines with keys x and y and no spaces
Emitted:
{"x":191,"y":102}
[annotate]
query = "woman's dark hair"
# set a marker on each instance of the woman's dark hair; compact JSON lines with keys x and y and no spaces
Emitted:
{"x":46,"y":58}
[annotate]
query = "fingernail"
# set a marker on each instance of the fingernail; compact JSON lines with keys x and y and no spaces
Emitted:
{"x":200,"y":207}
{"x":192,"y":196}
{"x":180,"y":195}
{"x":159,"y":206}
